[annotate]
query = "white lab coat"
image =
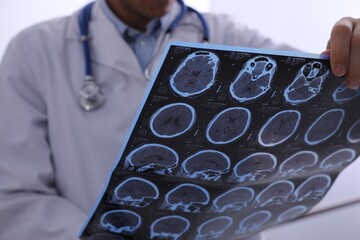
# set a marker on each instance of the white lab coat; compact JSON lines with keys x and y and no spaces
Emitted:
{"x":54,"y":157}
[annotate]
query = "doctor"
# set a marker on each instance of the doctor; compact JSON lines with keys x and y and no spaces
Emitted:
{"x":57,"y":147}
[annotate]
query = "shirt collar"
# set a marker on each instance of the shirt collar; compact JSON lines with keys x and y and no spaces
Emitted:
{"x":152,"y":27}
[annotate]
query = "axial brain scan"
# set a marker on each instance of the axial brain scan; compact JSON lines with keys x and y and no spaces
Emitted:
{"x":136,"y":192}
{"x":277,"y":193}
{"x":279,"y":128}
{"x":228,"y":125}
{"x":254,"y":167}
{"x":214,"y":228}
{"x":172,"y":120}
{"x":253,"y":222}
{"x":187,"y":198}
{"x":121,"y":221}
{"x":206,"y":165}
{"x":343,"y":94}
{"x":324,"y":127}
{"x":235,"y":199}
{"x":312,"y":188}
{"x":298,"y":163}
{"x":353,"y":135}
{"x":169,"y":227}
{"x":338,"y":159}
{"x":254,"y":79}
{"x":196,"y":74}
{"x":307,"y":83}
{"x":152,"y":157}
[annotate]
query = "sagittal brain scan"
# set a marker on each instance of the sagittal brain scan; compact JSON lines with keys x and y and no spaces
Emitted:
{"x":291,"y":213}
{"x":206,"y":165}
{"x":254,"y":167}
{"x":187,"y":198}
{"x":324,"y":127}
{"x":152,"y":157}
{"x":135,"y":192}
{"x":254,"y":79}
{"x":172,"y":120}
{"x":353,"y":135}
{"x":106,"y":236}
{"x":313,"y":188}
{"x":298,"y":163}
{"x":254,"y":222}
{"x":279,"y":128}
{"x":195,"y":75}
{"x":338,"y":159}
{"x":343,"y":94}
{"x":235,"y":199}
{"x":121,"y":221}
{"x":226,"y":143}
{"x":228,"y":125}
{"x":307,"y":83}
{"x":214,"y":228}
{"x":169,"y":227}
{"x":277,"y":193}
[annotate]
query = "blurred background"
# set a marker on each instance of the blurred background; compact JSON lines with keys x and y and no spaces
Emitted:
{"x":306,"y":26}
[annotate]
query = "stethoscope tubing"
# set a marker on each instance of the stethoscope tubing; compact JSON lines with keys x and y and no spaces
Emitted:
{"x":90,"y":100}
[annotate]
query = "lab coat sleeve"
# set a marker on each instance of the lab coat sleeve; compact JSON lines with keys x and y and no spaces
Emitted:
{"x":224,"y":29}
{"x":30,"y":205}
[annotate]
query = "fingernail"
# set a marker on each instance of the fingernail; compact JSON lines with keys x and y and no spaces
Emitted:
{"x":352,"y":85}
{"x":339,"y":70}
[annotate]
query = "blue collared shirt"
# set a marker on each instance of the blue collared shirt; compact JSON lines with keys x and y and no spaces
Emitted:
{"x":142,"y":43}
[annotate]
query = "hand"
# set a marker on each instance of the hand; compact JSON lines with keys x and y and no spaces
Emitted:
{"x":344,"y":50}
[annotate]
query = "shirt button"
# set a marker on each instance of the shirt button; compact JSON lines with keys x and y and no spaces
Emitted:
{"x":142,"y":43}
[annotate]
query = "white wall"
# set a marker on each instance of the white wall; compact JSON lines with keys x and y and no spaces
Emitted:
{"x":305,"y":24}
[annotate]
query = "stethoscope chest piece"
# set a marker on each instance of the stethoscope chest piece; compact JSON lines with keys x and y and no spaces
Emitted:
{"x":91,"y":96}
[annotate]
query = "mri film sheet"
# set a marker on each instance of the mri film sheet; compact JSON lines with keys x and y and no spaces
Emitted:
{"x":228,"y":142}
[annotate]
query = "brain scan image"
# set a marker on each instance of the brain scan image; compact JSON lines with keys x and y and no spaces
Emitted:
{"x":155,"y":158}
{"x":228,"y":125}
{"x":195,"y":75}
{"x":324,"y":127}
{"x":121,"y":221}
{"x":106,"y":236}
{"x":313,"y":188}
{"x":307,"y":83}
{"x":279,"y":128}
{"x":172,"y":120}
{"x":298,"y":163}
{"x":338,"y":159}
{"x":254,"y":79}
{"x":254,"y":167}
{"x":277,"y":193}
{"x":136,"y":192}
{"x":214,"y":228}
{"x":253,"y":223}
{"x":343,"y":94}
{"x":186,"y":197}
{"x":206,"y":165}
{"x":169,"y":227}
{"x":291,"y":213}
{"x":235,"y":199}
{"x":353,"y":135}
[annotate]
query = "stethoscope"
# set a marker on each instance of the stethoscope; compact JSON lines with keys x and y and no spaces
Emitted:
{"x":91,"y":95}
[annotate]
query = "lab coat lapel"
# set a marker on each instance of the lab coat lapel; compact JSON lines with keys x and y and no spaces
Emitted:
{"x":109,"y":48}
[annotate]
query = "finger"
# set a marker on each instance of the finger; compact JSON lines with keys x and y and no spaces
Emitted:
{"x":353,"y":73}
{"x":340,"y":46}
